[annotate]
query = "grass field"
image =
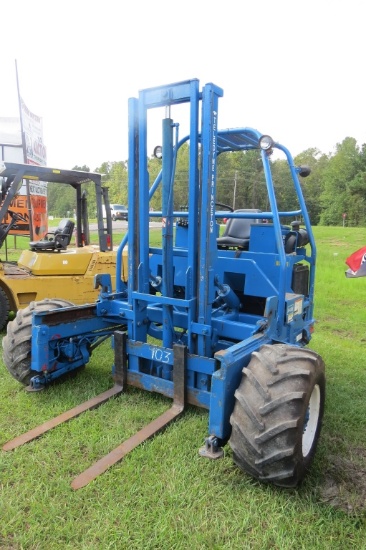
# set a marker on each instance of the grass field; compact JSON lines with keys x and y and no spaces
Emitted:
{"x":164,"y":495}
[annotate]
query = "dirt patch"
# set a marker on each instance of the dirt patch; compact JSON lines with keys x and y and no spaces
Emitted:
{"x":344,"y":486}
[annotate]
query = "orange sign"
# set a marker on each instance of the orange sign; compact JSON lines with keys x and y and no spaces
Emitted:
{"x":37,"y":209}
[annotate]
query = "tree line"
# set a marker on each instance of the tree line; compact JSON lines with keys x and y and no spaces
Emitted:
{"x":335,"y":191}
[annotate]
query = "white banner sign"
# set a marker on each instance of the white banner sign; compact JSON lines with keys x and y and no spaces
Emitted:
{"x":33,"y":133}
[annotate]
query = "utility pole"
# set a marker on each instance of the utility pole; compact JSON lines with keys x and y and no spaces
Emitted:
{"x":236,"y":173}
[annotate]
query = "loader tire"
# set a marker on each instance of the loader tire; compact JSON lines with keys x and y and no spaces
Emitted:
{"x":4,"y":309}
{"x":278,"y":413}
{"x":17,"y":342}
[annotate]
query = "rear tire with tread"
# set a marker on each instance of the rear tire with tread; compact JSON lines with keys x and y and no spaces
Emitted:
{"x":278,"y":414}
{"x":4,"y":309}
{"x":17,"y":342}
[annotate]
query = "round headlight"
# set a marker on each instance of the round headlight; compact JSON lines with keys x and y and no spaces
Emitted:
{"x":266,"y":143}
{"x":304,"y":171}
{"x":158,"y":152}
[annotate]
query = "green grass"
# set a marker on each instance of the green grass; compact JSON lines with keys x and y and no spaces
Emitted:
{"x":163,"y":495}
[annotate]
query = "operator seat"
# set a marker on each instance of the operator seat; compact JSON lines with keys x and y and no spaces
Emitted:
{"x":237,"y":231}
{"x":59,"y":240}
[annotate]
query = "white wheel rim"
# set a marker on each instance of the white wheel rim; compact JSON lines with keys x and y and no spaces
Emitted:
{"x":311,"y":421}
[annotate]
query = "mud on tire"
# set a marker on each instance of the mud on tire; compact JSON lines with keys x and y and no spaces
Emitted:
{"x":17,"y":342}
{"x":278,"y":412}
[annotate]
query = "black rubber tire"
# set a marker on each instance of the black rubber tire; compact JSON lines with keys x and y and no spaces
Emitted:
{"x":4,"y":309}
{"x":17,"y":342}
{"x":278,"y":414}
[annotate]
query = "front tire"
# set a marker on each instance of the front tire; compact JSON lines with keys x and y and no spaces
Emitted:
{"x":278,"y":414}
{"x":17,"y":342}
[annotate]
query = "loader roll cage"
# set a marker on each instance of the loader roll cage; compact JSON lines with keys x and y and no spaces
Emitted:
{"x":14,"y":174}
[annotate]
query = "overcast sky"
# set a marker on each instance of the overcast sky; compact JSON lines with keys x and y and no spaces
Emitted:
{"x":289,"y":68}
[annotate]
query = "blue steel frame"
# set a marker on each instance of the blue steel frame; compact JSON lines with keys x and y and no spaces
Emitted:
{"x":189,"y":291}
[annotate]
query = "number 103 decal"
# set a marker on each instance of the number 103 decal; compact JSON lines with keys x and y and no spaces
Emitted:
{"x":160,"y":355}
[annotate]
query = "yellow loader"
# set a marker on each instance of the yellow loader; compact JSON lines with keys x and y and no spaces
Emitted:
{"x":62,"y":265}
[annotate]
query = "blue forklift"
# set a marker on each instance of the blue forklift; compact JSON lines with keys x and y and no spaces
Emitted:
{"x":216,"y":319}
